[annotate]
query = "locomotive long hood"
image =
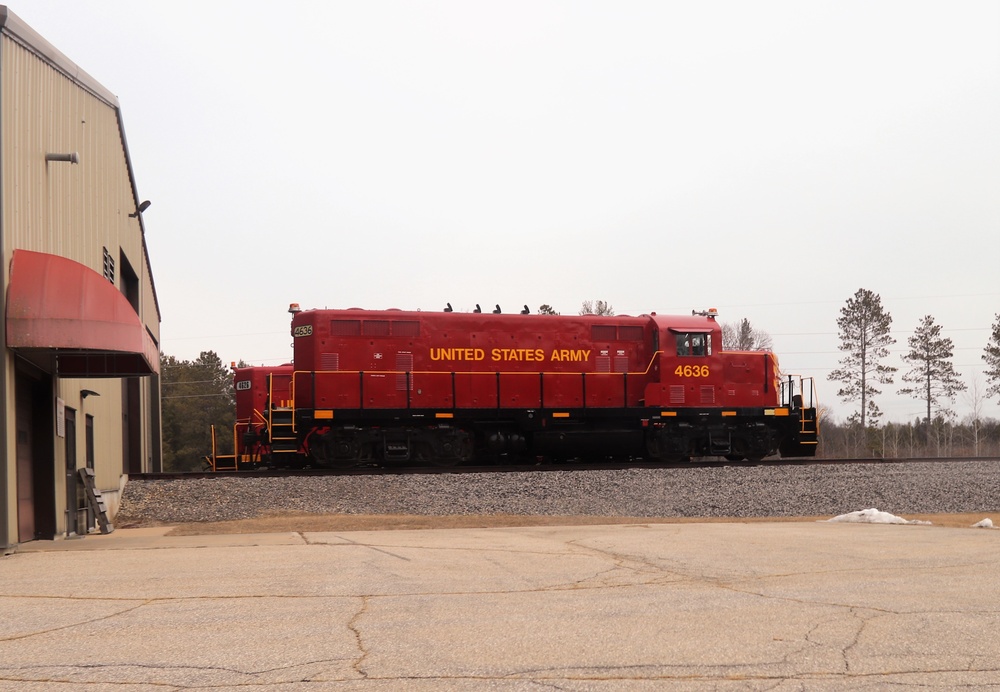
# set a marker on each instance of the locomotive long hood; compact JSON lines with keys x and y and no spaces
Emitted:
{"x":59,"y":307}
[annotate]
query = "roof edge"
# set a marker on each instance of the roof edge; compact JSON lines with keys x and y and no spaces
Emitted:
{"x":14,"y":26}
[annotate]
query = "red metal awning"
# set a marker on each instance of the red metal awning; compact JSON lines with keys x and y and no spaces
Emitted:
{"x":63,"y":307}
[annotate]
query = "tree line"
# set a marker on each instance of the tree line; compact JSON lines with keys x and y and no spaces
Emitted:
{"x":195,"y":395}
{"x":865,"y":337}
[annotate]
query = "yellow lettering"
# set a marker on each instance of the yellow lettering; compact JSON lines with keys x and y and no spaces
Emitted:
{"x":466,"y":354}
{"x":566,"y":355}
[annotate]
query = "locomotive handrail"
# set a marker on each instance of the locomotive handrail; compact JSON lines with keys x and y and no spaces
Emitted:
{"x":806,"y":386}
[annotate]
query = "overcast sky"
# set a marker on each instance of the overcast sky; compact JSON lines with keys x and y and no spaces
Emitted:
{"x":764,"y":158}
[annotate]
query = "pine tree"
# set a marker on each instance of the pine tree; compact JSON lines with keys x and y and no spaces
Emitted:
{"x":864,"y":337}
{"x":744,"y":337}
{"x":599,"y":307}
{"x":991,"y":354}
{"x":196,"y":395}
{"x":932,"y":375}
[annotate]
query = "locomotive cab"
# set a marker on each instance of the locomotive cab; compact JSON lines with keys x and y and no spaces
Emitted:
{"x":716,"y":403}
{"x":689,"y":367}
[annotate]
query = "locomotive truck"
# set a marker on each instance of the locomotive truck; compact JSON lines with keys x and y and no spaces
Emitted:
{"x":387,"y":387}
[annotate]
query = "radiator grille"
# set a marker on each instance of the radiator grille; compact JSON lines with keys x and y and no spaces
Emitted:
{"x":406,"y":328}
{"x":376,"y":327}
{"x":707,"y":394}
{"x":404,"y":364}
{"x":603,"y":332}
{"x":676,"y":394}
{"x":345,"y":327}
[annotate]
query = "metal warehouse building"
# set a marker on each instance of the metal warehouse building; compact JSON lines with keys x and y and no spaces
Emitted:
{"x":80,"y":329}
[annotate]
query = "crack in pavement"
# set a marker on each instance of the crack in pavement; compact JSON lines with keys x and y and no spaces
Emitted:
{"x":107,"y":616}
{"x":551,"y":677}
{"x":354,"y":627}
{"x":349,"y":542}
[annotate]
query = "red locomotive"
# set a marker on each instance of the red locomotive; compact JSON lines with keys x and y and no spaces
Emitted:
{"x":392,"y":386}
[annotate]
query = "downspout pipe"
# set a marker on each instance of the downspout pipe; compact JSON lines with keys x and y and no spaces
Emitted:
{"x":5,"y":543}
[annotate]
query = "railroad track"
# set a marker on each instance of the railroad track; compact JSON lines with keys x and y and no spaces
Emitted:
{"x":374,"y":470}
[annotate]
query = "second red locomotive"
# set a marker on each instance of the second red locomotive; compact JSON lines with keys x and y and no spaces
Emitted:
{"x":393,"y":386}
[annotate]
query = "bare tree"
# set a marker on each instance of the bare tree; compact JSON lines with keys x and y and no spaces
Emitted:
{"x":744,"y":337}
{"x":596,"y":307}
{"x":975,"y":398}
{"x":991,"y":354}
{"x":864,"y":337}
{"x":932,"y":375}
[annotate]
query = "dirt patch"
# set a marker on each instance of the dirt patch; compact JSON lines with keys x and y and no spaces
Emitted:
{"x":365,"y":522}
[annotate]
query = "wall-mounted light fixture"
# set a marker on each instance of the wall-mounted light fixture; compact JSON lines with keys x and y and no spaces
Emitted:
{"x":68,"y":158}
{"x":142,"y":207}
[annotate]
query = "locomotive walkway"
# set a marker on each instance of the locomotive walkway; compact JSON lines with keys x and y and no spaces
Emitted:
{"x":819,"y":606}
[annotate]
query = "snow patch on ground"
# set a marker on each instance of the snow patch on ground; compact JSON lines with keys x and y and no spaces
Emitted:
{"x":874,"y":516}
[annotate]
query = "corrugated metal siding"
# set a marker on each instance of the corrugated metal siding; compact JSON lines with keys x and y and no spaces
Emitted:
{"x":73,"y":210}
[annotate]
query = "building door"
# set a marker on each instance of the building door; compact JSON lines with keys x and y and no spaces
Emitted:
{"x":72,"y":502}
{"x":131,"y":425}
{"x":34,"y":427}
{"x":25,"y":464}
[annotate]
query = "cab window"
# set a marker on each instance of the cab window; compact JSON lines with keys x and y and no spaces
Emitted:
{"x":694,"y":344}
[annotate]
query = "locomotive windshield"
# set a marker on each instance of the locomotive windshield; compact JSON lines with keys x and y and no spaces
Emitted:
{"x":693,"y":344}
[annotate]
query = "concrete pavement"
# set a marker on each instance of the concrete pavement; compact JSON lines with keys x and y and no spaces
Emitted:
{"x":783,"y":606}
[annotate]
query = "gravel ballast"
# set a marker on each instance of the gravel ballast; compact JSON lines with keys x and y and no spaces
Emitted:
{"x":726,"y":491}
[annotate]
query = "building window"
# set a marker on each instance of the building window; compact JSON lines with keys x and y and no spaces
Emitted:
{"x":109,"y":266}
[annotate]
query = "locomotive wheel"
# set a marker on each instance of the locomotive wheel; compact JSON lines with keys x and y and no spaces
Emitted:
{"x":443,"y":462}
{"x":425,"y":452}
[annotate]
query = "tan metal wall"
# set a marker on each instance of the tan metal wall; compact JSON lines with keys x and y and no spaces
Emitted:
{"x":72,"y":210}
